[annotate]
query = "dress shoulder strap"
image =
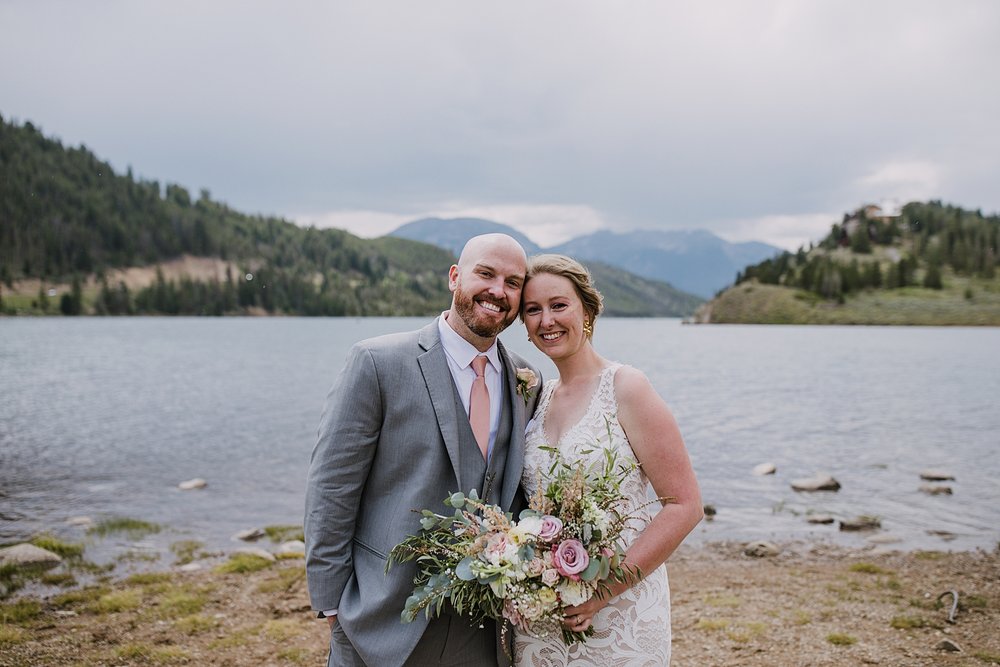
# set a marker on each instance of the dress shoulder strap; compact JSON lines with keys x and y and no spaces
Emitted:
{"x":606,"y":401}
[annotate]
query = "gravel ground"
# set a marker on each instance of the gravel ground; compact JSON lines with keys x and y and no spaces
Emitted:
{"x":813,"y":604}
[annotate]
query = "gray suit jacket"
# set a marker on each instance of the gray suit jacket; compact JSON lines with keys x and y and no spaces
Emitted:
{"x":388,"y":444}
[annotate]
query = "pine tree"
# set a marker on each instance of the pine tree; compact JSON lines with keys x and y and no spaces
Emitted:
{"x":932,"y":278}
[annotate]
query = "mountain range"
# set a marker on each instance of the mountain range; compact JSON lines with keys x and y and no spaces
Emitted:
{"x":693,"y":261}
{"x":626,"y":294}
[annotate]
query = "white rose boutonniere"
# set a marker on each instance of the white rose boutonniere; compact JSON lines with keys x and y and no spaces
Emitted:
{"x":526,"y":381}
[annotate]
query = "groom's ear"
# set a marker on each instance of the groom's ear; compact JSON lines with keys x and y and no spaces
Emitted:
{"x":453,"y":277}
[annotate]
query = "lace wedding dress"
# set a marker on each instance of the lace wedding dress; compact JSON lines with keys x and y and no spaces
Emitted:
{"x":634,"y":629}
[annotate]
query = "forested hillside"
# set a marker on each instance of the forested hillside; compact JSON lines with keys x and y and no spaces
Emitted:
{"x":67,"y":218}
{"x":931,"y":263}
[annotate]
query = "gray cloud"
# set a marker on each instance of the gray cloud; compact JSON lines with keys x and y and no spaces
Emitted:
{"x":676,"y":114}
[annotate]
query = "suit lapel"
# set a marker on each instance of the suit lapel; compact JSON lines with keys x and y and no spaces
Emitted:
{"x":437,"y":377}
{"x":515,"y":451}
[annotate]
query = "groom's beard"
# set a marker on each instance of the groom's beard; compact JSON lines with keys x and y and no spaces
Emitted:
{"x":482,"y":326}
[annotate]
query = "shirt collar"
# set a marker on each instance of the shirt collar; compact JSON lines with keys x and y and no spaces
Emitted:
{"x":461,"y":351}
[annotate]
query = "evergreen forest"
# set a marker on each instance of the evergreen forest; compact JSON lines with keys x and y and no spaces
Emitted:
{"x":67,"y":218}
{"x":871,"y":250}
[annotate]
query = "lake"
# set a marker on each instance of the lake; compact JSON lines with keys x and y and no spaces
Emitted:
{"x":104,"y":416}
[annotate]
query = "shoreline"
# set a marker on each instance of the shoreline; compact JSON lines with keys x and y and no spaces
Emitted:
{"x":814,"y":603}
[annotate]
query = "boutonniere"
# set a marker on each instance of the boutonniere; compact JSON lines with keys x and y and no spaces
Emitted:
{"x":526,"y":381}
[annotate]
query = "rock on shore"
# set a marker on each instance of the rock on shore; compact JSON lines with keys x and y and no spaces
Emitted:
{"x":28,"y":555}
{"x":819,"y":482}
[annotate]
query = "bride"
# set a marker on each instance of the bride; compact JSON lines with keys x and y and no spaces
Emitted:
{"x":632,"y":626}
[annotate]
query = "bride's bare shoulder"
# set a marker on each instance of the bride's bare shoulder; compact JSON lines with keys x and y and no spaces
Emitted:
{"x":629,"y":380}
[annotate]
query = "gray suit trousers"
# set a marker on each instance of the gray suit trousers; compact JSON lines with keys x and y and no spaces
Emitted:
{"x":448,"y":642}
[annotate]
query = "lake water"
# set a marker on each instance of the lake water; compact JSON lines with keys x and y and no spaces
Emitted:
{"x":103,"y":417}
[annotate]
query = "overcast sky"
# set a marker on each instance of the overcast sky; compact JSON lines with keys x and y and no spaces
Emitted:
{"x":762,"y":120}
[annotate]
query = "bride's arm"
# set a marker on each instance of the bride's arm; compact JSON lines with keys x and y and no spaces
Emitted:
{"x":657,"y":443}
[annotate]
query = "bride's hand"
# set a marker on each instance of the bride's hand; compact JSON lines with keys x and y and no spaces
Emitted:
{"x":581,"y":617}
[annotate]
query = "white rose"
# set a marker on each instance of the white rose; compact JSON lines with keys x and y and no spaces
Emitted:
{"x":572,"y":593}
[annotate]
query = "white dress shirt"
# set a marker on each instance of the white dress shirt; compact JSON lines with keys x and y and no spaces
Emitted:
{"x":460,"y":354}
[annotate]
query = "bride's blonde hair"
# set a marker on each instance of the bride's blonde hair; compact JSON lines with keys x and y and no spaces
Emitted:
{"x":576,"y":273}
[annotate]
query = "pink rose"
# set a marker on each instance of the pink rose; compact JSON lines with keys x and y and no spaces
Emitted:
{"x":570,"y":558}
{"x":551,"y":527}
{"x":535,"y":567}
{"x":550,"y":577}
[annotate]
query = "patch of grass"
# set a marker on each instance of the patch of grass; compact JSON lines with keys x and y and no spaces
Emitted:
{"x":116,"y":601}
{"x":137,"y":556}
{"x":8,"y":572}
{"x":892,"y":583}
{"x":746,"y":633}
{"x":281,"y":630}
{"x":186,"y":551}
{"x":986,"y":656}
{"x":177,"y":603}
{"x":841,"y":639}
{"x":158,"y":655}
{"x":88,"y":567}
{"x":297,"y":655}
{"x":10,"y":635}
{"x":867,"y":568}
{"x":242,"y":564}
{"x":63,"y":579}
{"x":74,"y":598}
{"x":801,"y":617}
{"x":135,"y":529}
{"x":147,"y":578}
{"x":57,"y":546}
{"x":20,"y":611}
{"x":195,"y":624}
{"x":929,"y":555}
{"x":283,"y":580}
{"x":290,"y":555}
{"x":712,"y":624}
{"x":11,"y":580}
{"x":973,"y":602}
{"x":907,"y":622}
{"x":723,"y":601}
{"x":284,"y":533}
{"x":237,"y":638}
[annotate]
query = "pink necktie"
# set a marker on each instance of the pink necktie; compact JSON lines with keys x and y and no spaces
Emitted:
{"x":479,"y":406}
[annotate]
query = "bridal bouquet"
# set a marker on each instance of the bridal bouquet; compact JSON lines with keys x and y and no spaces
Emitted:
{"x":564,"y":549}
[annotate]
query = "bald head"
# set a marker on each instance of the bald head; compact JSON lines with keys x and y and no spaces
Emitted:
{"x":486,"y":288}
{"x":491,"y":244}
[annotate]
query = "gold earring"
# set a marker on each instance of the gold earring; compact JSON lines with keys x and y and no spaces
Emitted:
{"x":588,"y":328}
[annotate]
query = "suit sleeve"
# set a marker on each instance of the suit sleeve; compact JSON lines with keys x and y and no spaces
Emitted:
{"x":348,"y":436}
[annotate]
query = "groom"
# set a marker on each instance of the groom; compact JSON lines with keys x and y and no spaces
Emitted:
{"x":396,"y":436}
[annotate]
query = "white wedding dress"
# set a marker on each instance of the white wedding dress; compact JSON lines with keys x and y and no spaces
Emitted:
{"x":634,"y":629}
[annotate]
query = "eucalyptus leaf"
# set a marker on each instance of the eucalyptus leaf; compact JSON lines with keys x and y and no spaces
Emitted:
{"x":593,"y":567}
{"x":605,"y":568}
{"x":464,"y":569}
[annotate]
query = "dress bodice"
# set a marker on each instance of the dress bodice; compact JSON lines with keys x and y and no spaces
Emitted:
{"x":597,"y":429}
{"x":634,"y":629}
